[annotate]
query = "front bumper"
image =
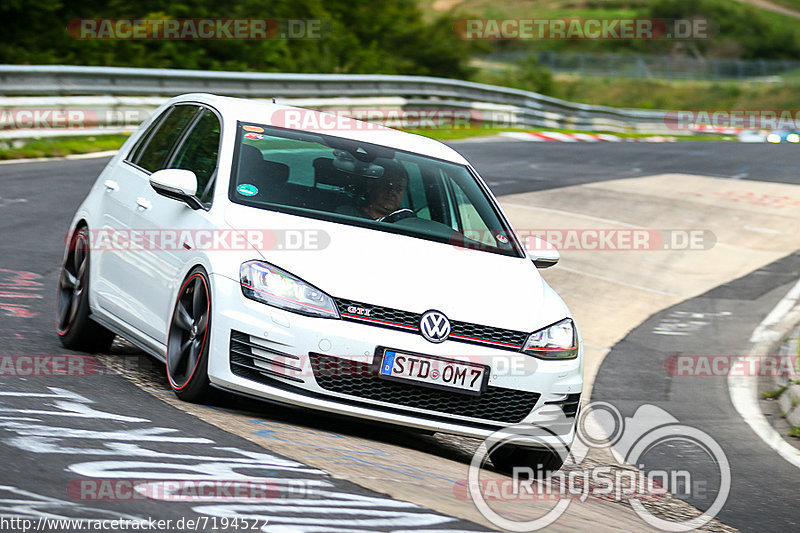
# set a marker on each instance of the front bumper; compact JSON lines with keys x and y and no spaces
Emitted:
{"x":328,"y":364}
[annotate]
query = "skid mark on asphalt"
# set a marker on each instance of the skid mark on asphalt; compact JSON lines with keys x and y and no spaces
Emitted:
{"x":16,"y":286}
{"x":749,"y":197}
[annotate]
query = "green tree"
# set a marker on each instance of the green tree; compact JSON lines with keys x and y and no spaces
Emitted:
{"x":381,"y":37}
{"x":738,"y":30}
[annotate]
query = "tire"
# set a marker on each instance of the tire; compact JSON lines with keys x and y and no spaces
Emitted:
{"x":76,"y":330}
{"x":543,"y":462}
{"x":188,"y":340}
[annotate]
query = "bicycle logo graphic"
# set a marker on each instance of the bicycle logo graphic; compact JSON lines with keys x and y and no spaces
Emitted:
{"x":600,"y":425}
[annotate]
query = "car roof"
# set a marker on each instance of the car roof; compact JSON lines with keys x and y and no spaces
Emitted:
{"x":247,"y":110}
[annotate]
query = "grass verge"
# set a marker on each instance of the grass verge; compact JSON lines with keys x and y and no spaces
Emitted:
{"x":59,"y":146}
{"x":672,"y":94}
{"x":773,"y":394}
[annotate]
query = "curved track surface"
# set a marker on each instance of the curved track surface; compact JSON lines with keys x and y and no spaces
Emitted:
{"x":114,"y":419}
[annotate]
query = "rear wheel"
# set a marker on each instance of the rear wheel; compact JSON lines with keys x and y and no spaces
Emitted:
{"x":187,"y":344}
{"x":542,"y":462}
{"x":75,"y":329}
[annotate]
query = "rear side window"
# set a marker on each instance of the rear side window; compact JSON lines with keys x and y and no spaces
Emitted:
{"x":153,"y":153}
{"x":199,"y":152}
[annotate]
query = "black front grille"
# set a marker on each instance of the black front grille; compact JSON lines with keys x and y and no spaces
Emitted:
{"x":361,"y":380}
{"x":407,"y":321}
{"x":394,"y":317}
{"x":506,"y":336}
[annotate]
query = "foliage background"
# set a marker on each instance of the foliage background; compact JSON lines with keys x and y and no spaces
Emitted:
{"x":388,"y":37}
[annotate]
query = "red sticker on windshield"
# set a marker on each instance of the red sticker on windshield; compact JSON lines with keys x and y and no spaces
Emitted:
{"x":253,"y":136}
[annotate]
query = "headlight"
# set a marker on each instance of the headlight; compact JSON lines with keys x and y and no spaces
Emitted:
{"x":271,"y":285}
{"x":559,"y":341}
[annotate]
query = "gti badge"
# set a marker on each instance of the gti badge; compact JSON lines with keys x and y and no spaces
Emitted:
{"x":358,"y":310}
{"x":434,"y":326}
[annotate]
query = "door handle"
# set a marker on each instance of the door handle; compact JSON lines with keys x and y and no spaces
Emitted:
{"x":143,"y":203}
{"x":111,"y":185}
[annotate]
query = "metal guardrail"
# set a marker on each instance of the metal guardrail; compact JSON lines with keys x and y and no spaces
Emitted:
{"x":24,"y":87}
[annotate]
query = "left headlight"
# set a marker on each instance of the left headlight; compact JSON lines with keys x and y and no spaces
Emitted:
{"x":559,"y":341}
{"x":269,"y":284}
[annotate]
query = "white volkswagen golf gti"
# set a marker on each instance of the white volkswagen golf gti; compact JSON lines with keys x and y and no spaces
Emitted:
{"x":313,"y":260}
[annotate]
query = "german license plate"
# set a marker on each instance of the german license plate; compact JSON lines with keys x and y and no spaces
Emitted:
{"x":431,"y":371}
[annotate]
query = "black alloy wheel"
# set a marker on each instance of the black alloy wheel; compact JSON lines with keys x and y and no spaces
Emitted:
{"x":76,"y":330}
{"x":188,"y":341}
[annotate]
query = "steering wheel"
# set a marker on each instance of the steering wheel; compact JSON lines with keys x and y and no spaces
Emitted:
{"x":400,"y":214}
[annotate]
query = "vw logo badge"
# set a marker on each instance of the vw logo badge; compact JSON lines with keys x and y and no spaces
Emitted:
{"x":434,"y":326}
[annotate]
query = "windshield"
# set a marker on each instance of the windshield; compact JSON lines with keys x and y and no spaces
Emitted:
{"x":366,"y":185}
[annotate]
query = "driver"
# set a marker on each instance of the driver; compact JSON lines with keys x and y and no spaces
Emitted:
{"x":384,"y":195}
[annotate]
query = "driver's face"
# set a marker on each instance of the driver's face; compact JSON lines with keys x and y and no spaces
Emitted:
{"x":387,"y":194}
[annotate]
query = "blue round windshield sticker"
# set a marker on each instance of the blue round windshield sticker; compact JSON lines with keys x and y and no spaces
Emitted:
{"x":245,"y":189}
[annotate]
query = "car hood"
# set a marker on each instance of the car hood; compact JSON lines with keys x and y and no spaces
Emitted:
{"x":405,"y":273}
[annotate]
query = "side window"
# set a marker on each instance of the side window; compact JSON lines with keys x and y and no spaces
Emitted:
{"x":144,"y":139}
{"x":155,"y":152}
{"x":199,"y":152}
{"x":472,"y":224}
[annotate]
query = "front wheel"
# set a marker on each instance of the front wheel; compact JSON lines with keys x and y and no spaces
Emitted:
{"x":188,"y":341}
{"x":74,"y":327}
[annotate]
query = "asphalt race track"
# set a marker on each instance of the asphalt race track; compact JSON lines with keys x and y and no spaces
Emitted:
{"x":513,"y":167}
{"x":115,"y":419}
{"x":760,"y":478}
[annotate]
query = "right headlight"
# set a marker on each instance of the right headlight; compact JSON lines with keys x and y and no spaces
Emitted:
{"x":559,"y":341}
{"x":269,"y":284}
